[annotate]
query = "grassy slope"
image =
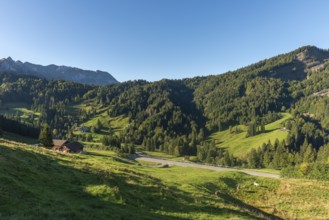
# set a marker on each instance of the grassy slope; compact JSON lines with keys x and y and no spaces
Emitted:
{"x":286,"y":198}
{"x":19,"y":138}
{"x":40,"y":184}
{"x":117,"y":124}
{"x":239,"y":145}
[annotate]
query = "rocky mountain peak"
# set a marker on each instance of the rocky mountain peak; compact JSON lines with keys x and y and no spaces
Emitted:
{"x":8,"y":65}
{"x":309,"y":53}
{"x":315,"y":59}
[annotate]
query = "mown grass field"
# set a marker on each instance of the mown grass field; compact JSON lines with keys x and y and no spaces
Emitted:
{"x":36,"y":183}
{"x":239,"y":144}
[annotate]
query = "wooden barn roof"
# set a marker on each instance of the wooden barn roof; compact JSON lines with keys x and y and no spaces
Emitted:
{"x":59,"y":142}
{"x":74,"y":146}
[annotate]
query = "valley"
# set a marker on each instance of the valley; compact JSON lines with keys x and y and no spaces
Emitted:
{"x":164,"y":110}
{"x":247,"y":144}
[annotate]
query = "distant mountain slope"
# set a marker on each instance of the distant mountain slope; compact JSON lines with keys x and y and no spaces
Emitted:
{"x":260,"y":87}
{"x":294,"y":65}
{"x":177,"y":116}
{"x":57,"y":72}
{"x":298,"y":64}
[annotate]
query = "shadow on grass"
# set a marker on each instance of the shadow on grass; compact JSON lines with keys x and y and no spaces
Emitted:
{"x":268,"y":131}
{"x":39,"y":186}
{"x":15,"y":137}
{"x":251,"y":209}
{"x":229,"y":199}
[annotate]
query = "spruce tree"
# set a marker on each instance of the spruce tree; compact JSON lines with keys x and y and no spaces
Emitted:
{"x":266,"y":159}
{"x":262,"y":127}
{"x":309,"y":154}
{"x":252,"y":129}
{"x":99,"y":125}
{"x":253,"y":160}
{"x":46,"y":137}
{"x":89,"y":138}
{"x":227,"y":159}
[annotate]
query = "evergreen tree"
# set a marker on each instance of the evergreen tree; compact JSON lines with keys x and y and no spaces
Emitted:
{"x":201,"y":135}
{"x":89,"y":138}
{"x":278,"y":158}
{"x":46,"y":137}
{"x":131,"y":149}
{"x":309,"y":154}
{"x":262,"y":127}
{"x":176,"y":151}
{"x":266,"y":158}
{"x":252,"y":129}
{"x":323,"y":154}
{"x":253,"y":160}
{"x":99,"y":125}
{"x":227,"y":159}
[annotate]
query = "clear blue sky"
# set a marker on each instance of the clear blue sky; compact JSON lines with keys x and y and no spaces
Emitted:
{"x":155,"y":39}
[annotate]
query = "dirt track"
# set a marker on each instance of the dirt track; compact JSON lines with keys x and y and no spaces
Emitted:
{"x":190,"y":164}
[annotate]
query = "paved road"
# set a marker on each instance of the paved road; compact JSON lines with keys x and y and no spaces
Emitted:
{"x":190,"y":164}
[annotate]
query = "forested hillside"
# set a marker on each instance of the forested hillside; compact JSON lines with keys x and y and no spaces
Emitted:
{"x":179,"y":116}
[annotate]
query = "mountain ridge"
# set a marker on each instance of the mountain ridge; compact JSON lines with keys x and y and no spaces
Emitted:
{"x":297,"y":63}
{"x":52,"y":71}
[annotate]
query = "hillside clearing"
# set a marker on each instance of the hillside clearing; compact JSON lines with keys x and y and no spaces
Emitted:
{"x":239,"y":144}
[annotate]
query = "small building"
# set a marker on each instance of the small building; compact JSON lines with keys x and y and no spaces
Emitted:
{"x":58,"y":144}
{"x":66,"y":146}
{"x":73,"y":147}
{"x":83,"y":129}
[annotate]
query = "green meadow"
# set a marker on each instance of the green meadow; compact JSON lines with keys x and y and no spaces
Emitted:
{"x":239,"y":144}
{"x":111,"y":125}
